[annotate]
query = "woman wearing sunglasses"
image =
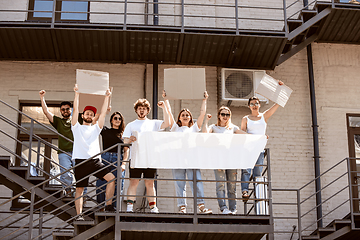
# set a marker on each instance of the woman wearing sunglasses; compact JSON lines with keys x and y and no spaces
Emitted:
{"x":255,"y":123}
{"x":225,"y":126}
{"x":185,"y":123}
{"x":110,"y":137}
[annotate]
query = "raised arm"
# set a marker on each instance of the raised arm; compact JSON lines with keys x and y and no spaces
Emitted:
{"x":166,"y":121}
{"x":268,"y":113}
{"x":75,"y":114}
{"x":125,"y":158}
{"x":104,"y":108}
{"x":202,"y":110}
{"x":168,"y":108}
{"x":243,"y":126}
{"x":44,"y":107}
{"x":205,"y":128}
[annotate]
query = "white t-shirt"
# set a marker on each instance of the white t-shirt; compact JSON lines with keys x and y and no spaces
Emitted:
{"x":86,"y":140}
{"x":217,"y":129}
{"x":193,"y":128}
{"x":146,"y":125}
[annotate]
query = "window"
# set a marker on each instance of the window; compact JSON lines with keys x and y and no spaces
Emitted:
{"x":65,"y":10}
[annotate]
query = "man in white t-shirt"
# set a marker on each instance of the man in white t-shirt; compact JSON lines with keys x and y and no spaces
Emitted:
{"x":86,"y":145}
{"x":143,"y":124}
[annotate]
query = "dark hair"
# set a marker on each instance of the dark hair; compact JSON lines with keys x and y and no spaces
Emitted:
{"x":122,"y":124}
{"x":253,"y":98}
{"x":191,"y":122}
{"x":142,"y":102}
{"x":65,"y":103}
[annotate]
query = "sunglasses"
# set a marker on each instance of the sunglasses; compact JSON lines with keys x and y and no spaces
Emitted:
{"x":254,"y":104}
{"x":225,"y":114}
{"x":117,"y":118}
{"x":65,"y":109}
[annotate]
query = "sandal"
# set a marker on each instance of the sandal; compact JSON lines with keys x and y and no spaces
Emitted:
{"x":245,"y":196}
{"x":204,"y":210}
{"x":182,"y":209}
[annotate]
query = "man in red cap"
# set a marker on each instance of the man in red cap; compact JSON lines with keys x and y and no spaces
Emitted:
{"x":86,"y":145}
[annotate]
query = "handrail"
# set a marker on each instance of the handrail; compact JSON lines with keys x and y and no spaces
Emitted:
{"x":228,"y":11}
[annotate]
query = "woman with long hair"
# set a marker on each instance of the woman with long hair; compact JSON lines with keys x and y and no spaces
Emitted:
{"x":255,"y":123}
{"x":224,"y":125}
{"x":185,"y":123}
{"x":110,"y":137}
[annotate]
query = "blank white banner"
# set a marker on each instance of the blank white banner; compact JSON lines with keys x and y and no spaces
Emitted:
{"x":172,"y":150}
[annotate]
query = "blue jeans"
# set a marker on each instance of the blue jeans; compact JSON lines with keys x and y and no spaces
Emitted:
{"x":109,"y":158}
{"x":245,"y":173}
{"x":180,"y":186}
{"x":226,"y":175}
{"x":66,"y":162}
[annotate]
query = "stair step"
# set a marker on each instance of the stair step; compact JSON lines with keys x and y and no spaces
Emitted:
{"x":36,"y":179}
{"x":311,"y":237}
{"x":294,"y":23}
{"x":340,"y":223}
{"x":63,"y":235}
{"x":320,"y":6}
{"x":308,"y":14}
{"x":5,"y":161}
{"x":325,"y":231}
{"x":84,"y":223}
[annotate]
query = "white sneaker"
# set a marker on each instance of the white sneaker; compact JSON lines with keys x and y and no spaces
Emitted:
{"x":130,"y":207}
{"x":226,"y":211}
{"x":154,"y":210}
{"x":234,"y":212}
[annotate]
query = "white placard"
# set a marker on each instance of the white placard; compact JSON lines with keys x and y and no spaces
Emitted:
{"x":184,"y":83}
{"x":176,"y":150}
{"x":92,"y":82}
{"x":270,"y":88}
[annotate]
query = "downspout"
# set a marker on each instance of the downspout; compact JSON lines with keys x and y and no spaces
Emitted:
{"x":155,"y":89}
{"x":156,"y":12}
{"x":315,"y":132}
{"x":315,"y":137}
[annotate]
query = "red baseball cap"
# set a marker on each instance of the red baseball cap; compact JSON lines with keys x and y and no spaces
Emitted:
{"x":90,"y":108}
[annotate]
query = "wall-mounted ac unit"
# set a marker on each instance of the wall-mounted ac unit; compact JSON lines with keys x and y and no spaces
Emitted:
{"x":238,"y":85}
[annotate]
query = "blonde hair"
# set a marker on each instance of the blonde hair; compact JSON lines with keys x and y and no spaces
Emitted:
{"x":228,"y":122}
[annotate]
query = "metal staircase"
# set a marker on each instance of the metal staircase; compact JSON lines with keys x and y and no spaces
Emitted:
{"x":337,"y":229}
{"x":320,"y":21}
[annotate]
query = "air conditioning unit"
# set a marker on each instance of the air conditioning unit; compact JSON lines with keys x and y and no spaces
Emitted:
{"x":238,"y":85}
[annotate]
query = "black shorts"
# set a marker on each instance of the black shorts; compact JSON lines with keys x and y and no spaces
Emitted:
{"x":147,"y":172}
{"x":88,"y":168}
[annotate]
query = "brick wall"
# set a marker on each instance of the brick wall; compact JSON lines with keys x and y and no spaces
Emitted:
{"x":290,"y":131}
{"x":14,"y":6}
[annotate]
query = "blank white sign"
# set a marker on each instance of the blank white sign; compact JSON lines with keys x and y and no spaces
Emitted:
{"x":184,"y":83}
{"x":270,"y":88}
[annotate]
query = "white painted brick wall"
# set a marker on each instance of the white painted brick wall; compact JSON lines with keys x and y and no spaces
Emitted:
{"x":14,"y":8}
{"x":290,"y":142}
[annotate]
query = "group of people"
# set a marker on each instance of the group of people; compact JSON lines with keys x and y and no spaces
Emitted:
{"x":86,"y":145}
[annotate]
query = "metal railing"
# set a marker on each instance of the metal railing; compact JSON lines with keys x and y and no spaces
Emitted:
{"x":39,"y":212}
{"x":182,"y":15}
{"x":341,"y":192}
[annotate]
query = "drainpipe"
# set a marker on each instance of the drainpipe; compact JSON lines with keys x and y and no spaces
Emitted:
{"x":156,"y":12}
{"x":315,"y":137}
{"x":155,"y":90}
{"x":315,"y":133}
